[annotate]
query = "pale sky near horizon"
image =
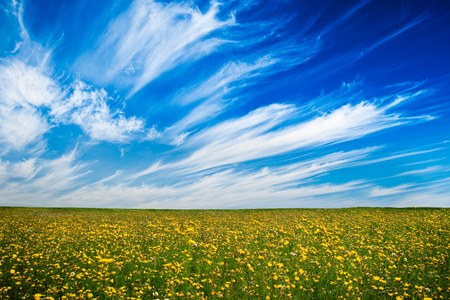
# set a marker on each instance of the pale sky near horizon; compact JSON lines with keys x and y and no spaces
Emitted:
{"x":240,"y":104}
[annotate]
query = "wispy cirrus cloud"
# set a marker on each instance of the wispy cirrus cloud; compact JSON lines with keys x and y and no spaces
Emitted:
{"x":286,"y":186}
{"x":224,"y":80}
{"x":428,"y":170}
{"x":256,"y":136}
{"x":150,"y":39}
{"x":41,"y":177}
{"x":213,"y":95}
{"x":384,"y":191}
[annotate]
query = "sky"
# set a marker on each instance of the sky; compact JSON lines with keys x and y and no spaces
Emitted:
{"x":210,"y":105}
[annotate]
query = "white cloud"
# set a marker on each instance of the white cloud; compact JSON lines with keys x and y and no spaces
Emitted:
{"x":150,"y":39}
{"x":213,"y":93}
{"x":427,"y":170}
{"x":425,"y":194}
{"x":199,"y":195}
{"x":32,"y":101}
{"x":21,"y":127}
{"x":88,"y":108}
{"x":382,"y":191}
{"x":59,"y":174}
{"x":221,"y":146}
{"x":396,"y":156}
{"x":40,"y":181}
{"x":283,"y":186}
{"x":4,"y":174}
{"x":25,"y":169}
{"x":25,"y":85}
{"x":23,"y":90}
{"x":26,"y":92}
{"x":221,"y":82}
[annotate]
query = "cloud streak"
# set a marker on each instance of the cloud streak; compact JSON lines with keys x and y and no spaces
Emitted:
{"x":257,"y":136}
{"x":150,"y":39}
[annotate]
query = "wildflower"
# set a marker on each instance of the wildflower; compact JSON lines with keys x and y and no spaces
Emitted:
{"x":193,"y":243}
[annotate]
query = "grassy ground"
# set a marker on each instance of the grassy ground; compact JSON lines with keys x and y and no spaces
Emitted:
{"x":244,"y":254}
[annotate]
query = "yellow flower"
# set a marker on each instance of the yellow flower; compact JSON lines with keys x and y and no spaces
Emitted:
{"x":398,"y":278}
{"x":376,"y":278}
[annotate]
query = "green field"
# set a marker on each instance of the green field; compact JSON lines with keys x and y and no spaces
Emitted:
{"x":364,"y":253}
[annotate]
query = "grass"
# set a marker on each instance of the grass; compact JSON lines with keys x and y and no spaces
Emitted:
{"x":364,"y":253}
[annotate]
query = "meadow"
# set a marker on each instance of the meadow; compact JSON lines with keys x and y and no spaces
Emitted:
{"x":358,"y":253}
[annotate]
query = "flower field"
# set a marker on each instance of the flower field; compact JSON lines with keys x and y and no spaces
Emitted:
{"x":355,"y":253}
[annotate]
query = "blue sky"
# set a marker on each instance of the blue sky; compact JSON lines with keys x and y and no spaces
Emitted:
{"x":241,"y":104}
